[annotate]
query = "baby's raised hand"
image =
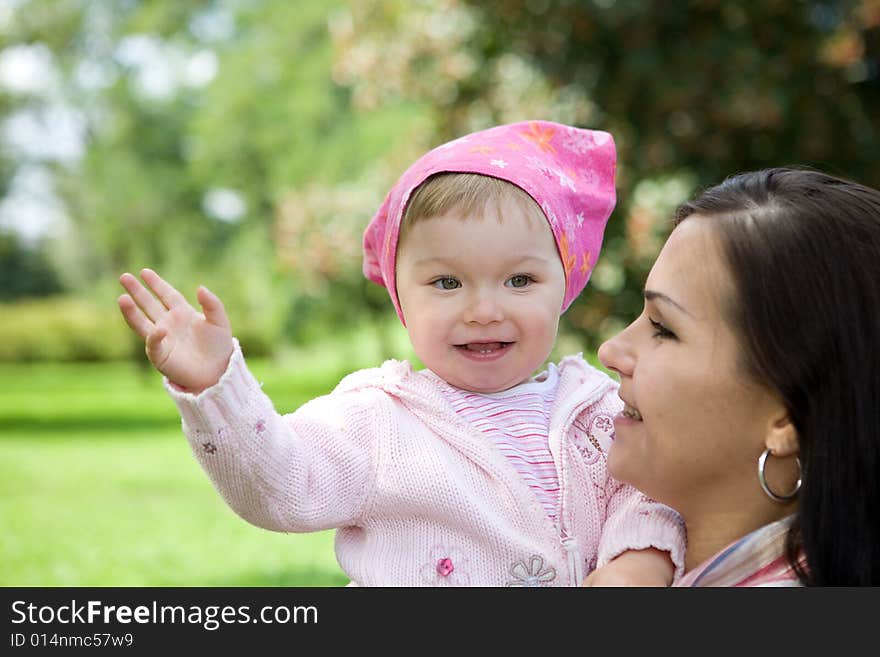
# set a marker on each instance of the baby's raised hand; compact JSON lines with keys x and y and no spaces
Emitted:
{"x":192,"y":349}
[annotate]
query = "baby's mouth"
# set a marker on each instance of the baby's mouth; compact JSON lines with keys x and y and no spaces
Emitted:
{"x":632,"y":413}
{"x":483,"y":347}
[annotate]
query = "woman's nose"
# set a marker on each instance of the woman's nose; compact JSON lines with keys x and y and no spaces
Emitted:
{"x":617,"y":354}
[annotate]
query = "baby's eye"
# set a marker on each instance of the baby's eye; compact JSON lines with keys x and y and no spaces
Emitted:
{"x":520,"y":280}
{"x":446,"y":283}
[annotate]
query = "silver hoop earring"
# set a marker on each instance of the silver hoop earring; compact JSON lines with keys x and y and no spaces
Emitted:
{"x":762,"y":463}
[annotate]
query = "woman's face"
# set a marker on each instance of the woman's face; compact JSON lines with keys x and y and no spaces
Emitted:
{"x":694,"y":423}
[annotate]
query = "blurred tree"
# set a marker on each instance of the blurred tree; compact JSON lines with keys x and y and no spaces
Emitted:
{"x":216,"y":148}
{"x":24,"y":272}
{"x":692,"y":91}
{"x":245,"y":145}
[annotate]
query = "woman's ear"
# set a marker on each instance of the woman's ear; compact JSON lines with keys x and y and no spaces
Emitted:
{"x":782,"y":437}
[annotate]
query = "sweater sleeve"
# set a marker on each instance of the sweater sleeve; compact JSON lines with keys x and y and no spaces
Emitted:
{"x":306,"y":471}
{"x":634,"y":522}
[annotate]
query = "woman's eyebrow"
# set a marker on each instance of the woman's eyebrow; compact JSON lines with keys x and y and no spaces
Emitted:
{"x":652,"y":295}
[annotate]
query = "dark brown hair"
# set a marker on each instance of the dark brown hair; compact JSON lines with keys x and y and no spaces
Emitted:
{"x":803,"y":249}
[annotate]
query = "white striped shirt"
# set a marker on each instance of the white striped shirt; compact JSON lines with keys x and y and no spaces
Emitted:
{"x":518,"y":421}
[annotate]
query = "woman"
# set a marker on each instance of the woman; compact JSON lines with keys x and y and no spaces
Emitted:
{"x":752,"y":382}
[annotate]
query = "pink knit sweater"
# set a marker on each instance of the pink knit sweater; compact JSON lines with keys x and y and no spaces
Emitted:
{"x":418,"y":496}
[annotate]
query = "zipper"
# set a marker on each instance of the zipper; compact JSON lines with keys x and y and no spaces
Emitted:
{"x":570,"y":543}
{"x":575,"y":560}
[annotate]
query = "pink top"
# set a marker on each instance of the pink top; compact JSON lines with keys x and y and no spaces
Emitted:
{"x":517,"y":420}
{"x":418,"y":496}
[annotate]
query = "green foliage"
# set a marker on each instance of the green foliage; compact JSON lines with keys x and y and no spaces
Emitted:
{"x":692,"y":92}
{"x":272,"y":127}
{"x":698,"y":91}
{"x":63,"y":329}
{"x":24,"y":272}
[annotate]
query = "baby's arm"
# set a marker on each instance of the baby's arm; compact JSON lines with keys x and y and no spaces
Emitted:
{"x":301,"y":472}
{"x":305,"y":471}
{"x":639,"y":530}
{"x":647,"y":567}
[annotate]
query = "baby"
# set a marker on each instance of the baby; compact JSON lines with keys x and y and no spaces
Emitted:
{"x":471,"y":472}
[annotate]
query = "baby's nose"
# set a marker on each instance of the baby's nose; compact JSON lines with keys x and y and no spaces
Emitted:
{"x":484,"y":308}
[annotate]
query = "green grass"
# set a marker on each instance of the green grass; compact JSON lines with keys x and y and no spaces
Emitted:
{"x":98,"y":487}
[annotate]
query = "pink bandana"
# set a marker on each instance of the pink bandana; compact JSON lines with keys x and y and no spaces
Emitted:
{"x":568,"y":171}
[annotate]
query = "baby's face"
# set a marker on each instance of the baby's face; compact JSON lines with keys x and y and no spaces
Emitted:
{"x":481,"y":297}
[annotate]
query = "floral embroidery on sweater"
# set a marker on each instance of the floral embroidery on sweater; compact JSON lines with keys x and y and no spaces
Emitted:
{"x":592,"y":436}
{"x":445,"y":567}
{"x":531,"y":572}
{"x":207,"y":446}
{"x":584,"y":442}
{"x":602,"y":432}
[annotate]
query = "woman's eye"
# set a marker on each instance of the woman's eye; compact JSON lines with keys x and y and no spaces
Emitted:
{"x":520,"y":280}
{"x":446,"y":283}
{"x":661,"y":331}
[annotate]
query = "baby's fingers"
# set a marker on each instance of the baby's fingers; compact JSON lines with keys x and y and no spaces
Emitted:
{"x":142,"y":297}
{"x":134,"y":316}
{"x":215,"y":313}
{"x":157,"y":352}
{"x":166,"y":292}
